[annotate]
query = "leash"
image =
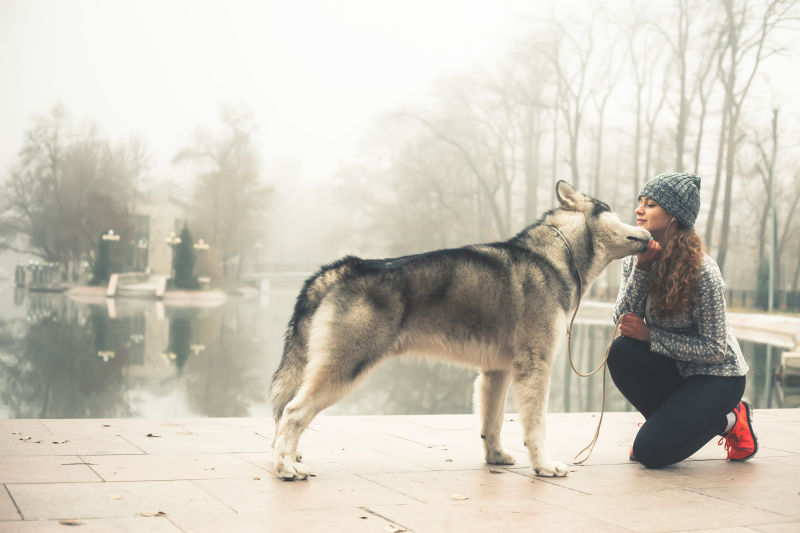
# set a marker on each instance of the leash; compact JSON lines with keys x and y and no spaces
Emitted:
{"x":602,"y":366}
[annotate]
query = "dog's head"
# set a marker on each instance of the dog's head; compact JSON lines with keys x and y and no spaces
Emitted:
{"x":616,"y":238}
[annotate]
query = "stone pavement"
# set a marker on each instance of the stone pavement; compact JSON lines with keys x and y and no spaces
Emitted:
{"x":381,"y":474}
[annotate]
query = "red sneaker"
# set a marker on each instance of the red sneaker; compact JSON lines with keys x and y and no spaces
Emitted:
{"x":632,"y":457}
{"x":741,"y":442}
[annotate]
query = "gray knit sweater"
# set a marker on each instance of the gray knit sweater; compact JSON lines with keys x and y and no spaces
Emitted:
{"x":700,"y":340}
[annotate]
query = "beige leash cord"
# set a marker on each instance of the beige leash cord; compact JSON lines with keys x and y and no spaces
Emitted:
{"x":602,"y":365}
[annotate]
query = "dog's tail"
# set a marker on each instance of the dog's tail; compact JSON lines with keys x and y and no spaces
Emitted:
{"x":287,"y":379}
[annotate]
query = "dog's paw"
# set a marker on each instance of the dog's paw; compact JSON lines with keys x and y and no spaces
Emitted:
{"x":292,"y":471}
{"x":499,"y":457}
{"x":551,"y":469}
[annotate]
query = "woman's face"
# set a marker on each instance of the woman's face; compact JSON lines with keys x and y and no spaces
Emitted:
{"x":652,"y":217}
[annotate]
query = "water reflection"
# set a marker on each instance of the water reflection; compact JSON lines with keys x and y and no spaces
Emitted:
{"x":61,"y":358}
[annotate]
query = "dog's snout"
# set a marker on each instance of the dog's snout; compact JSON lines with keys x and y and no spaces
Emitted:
{"x":642,"y":240}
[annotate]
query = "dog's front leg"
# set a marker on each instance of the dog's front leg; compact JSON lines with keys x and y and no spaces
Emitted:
{"x":490,"y":395}
{"x":531,"y":386}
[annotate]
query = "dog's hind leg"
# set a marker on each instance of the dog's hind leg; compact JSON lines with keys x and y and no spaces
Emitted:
{"x":490,"y":394}
{"x":314,"y":395}
{"x":531,"y":387}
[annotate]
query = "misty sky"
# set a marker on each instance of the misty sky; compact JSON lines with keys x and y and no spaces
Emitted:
{"x":313,"y":72}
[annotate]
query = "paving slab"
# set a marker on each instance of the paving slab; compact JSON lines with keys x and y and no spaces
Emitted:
{"x":346,"y":520}
{"x":164,"y":467}
{"x":45,"y":469}
{"x":94,"y":525}
{"x":33,"y":437}
{"x":329,"y":492}
{"x":788,"y":527}
{"x":384,"y":473}
{"x":8,"y":511}
{"x":44,"y":501}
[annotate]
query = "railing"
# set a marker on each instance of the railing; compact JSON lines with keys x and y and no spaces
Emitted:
{"x":788,"y":301}
{"x":746,"y":299}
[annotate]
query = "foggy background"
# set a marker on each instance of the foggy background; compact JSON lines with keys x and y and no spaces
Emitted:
{"x":287,"y":134}
{"x":296,"y":132}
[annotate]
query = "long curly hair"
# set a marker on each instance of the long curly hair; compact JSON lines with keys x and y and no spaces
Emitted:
{"x":676,"y":274}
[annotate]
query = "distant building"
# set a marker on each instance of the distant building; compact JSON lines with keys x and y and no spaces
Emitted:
{"x":159,"y":214}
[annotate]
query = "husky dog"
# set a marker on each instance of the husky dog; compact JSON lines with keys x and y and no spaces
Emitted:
{"x":501,"y":307}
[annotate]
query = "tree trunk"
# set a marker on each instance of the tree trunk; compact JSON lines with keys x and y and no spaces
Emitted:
{"x":726,"y":206}
{"x":637,"y":143}
{"x":717,"y":173}
{"x":531,"y":141}
{"x":683,"y":107}
{"x":554,"y":161}
{"x":700,"y":126}
{"x":573,"y":148}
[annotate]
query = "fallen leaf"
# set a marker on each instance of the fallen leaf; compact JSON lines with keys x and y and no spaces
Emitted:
{"x":151,"y":435}
{"x":256,"y":478}
{"x":69,"y":522}
{"x":115,"y":497}
{"x":391,"y":528}
{"x":496,"y":471}
{"x":448,"y":460}
{"x":459,"y":497}
{"x":159,"y":513}
{"x":60,"y":441}
{"x":363,"y":517}
{"x":106,"y":426}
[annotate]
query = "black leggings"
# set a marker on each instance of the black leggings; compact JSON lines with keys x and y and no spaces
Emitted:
{"x":682,"y":414}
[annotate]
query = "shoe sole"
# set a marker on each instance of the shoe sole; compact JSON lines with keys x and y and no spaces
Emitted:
{"x":752,"y":432}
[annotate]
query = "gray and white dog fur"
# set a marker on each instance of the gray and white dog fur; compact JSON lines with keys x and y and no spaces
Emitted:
{"x":501,"y":307}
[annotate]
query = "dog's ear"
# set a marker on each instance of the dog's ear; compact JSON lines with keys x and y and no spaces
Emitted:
{"x":567,"y":196}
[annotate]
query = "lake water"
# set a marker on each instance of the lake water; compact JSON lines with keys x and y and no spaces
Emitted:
{"x":60,"y":358}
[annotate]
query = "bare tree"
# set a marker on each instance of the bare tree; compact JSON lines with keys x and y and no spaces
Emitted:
{"x":704,"y":81}
{"x":606,"y":84}
{"x":570,"y":58}
{"x":644,"y":52}
{"x":230,"y":199}
{"x":744,"y":44}
{"x":530,"y":95}
{"x":678,"y":41}
{"x":66,"y":188}
{"x":478,"y":125}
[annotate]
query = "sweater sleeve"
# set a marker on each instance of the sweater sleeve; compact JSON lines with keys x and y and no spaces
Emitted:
{"x":632,"y":290}
{"x":709,"y":343}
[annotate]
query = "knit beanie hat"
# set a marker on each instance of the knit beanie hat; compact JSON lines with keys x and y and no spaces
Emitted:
{"x":679,"y":194}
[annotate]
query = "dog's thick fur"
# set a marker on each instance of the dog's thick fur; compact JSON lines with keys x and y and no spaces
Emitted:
{"x":501,"y":307}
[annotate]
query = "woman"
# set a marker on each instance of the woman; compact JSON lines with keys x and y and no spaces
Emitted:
{"x":677,"y":360}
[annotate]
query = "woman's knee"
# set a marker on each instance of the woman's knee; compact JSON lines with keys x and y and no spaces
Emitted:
{"x":650,"y":453}
{"x":623,"y":349}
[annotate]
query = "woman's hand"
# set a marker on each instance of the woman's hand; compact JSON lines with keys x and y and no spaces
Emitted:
{"x":633,"y":326}
{"x":645,"y":260}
